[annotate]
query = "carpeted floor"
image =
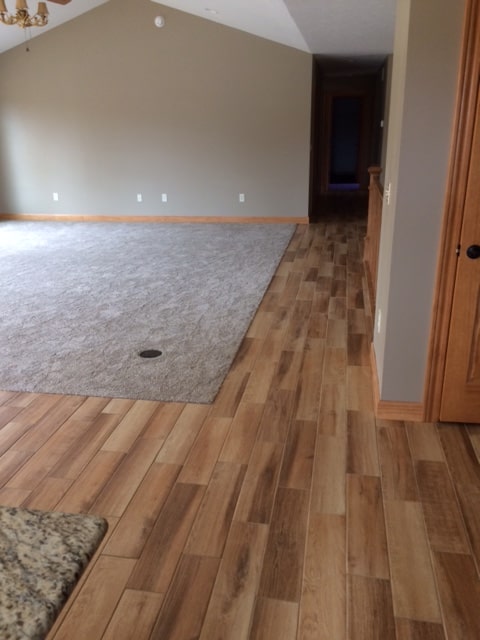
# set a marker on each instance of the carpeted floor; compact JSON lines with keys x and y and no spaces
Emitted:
{"x":79,"y":301}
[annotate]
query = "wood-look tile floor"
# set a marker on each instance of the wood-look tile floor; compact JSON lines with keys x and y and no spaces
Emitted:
{"x":285,"y":510}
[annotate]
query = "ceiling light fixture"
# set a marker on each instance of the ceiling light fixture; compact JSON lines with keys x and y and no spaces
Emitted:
{"x":22,"y":17}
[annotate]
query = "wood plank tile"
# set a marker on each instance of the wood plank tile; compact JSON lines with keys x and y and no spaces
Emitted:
{"x":367,"y":543}
{"x":460,"y":454}
{"x":445,"y":527}
{"x":358,"y":349}
{"x":317,"y":325}
{"x":424,"y":441}
{"x":272,"y":347}
{"x":332,"y":417}
{"x":336,"y":333}
{"x":434,"y":482}
{"x":97,"y":600}
{"x":286,"y":374}
{"x":33,"y":439}
{"x":35,"y":407}
{"x":283,"y":563}
{"x":259,"y":381}
{"x":7,"y":414}
{"x":414,"y":592}
{"x":230,"y":394}
{"x":255,"y":502}
{"x":398,"y":475}
{"x":166,"y":540}
{"x":362,"y":455}
{"x":359,"y":389}
{"x":469,"y":499}
{"x":243,"y":433}
{"x":473,"y":432}
{"x":48,"y":494}
{"x":231,"y":605}
{"x":82,"y":442}
{"x":370,"y":612}
{"x":23,"y":399}
{"x":248,"y":352}
{"x":162,"y":420}
{"x":90,"y":408}
{"x":203,"y":456}
{"x":119,"y":406}
{"x":296,"y":332}
{"x":307,"y":396}
{"x":212,"y":524}
{"x":84,"y":491}
{"x":186,"y":604}
{"x":357,"y":321}
{"x":297,"y":467}
{"x":139,"y":517}
{"x":323,"y":602}
{"x":277,"y":415}
{"x":10,"y":462}
{"x":5,"y":396}
{"x":414,"y":630}
{"x":134,"y":616}
{"x":42,"y":461}
{"x":274,"y":619}
{"x":328,"y":483}
{"x":13,"y":497}
{"x":335,"y":365}
{"x":459,"y":589}
{"x":130,"y":427}
{"x":114,"y":498}
{"x":291,"y":288}
{"x":178,"y":444}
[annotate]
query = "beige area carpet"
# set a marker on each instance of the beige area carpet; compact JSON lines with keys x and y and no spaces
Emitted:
{"x":42,"y":556}
{"x":80,"y":301}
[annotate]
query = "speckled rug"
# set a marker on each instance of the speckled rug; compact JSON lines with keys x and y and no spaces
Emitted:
{"x":42,"y":556}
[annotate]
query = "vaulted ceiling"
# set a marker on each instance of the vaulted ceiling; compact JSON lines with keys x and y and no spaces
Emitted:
{"x":334,"y":27}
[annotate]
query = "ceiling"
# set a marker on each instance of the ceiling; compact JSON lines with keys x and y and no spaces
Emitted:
{"x":333,"y":27}
{"x":349,"y":28}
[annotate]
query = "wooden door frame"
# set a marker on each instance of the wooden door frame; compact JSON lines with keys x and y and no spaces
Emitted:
{"x":467,"y":92}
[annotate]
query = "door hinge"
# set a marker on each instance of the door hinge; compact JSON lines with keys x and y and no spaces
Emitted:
{"x":457,"y":250}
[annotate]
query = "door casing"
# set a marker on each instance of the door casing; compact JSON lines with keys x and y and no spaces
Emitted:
{"x":467,"y":88}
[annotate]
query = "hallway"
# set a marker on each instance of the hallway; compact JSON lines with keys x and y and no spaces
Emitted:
{"x":284,"y":510}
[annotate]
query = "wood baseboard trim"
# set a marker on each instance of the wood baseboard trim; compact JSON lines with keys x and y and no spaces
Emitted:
{"x":173,"y":219}
{"x":404,"y":411}
{"x":393,"y":409}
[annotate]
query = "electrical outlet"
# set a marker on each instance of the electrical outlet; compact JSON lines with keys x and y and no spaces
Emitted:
{"x":139,"y":197}
{"x":388,"y":192}
{"x":55,"y":196}
{"x":379,"y":320}
{"x":164,"y":197}
{"x":241,"y":197}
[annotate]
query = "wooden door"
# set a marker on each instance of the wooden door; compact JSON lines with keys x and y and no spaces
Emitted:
{"x":461,"y":385}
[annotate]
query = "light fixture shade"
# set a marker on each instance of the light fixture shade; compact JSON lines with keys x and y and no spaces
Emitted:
{"x":3,"y":8}
{"x":42,"y":9}
{"x":21,"y":4}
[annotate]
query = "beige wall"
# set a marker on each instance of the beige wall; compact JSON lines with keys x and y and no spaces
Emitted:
{"x":425,"y":70}
{"x":108,"y":106}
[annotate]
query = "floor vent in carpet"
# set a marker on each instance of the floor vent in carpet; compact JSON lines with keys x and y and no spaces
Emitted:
{"x":150,"y":353}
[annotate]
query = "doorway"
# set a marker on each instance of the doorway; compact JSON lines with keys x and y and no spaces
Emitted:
{"x":345,"y":126}
{"x":347,"y":110}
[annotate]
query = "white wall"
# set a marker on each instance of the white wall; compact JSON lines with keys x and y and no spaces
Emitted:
{"x":425,"y":70}
{"x":108,"y":106}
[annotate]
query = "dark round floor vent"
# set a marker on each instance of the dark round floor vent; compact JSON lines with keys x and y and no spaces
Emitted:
{"x":150,"y":353}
